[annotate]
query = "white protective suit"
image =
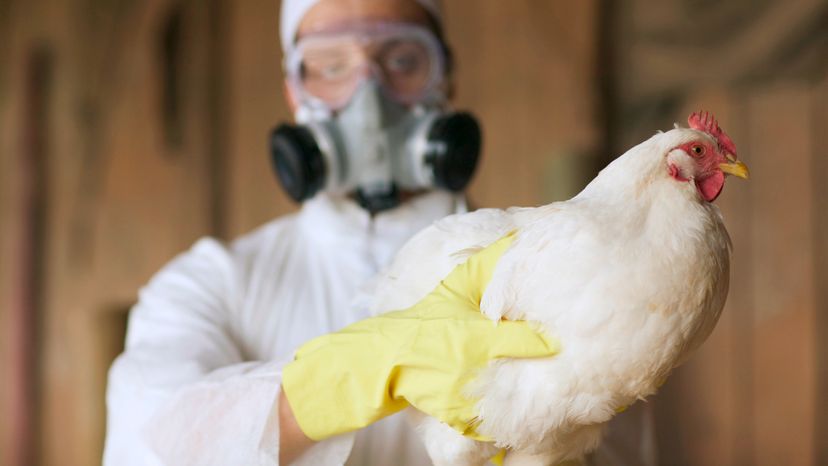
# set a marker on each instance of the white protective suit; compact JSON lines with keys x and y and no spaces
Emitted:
{"x":199,"y":380}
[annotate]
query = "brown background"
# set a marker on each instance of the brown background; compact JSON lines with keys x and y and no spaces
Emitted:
{"x":130,"y":128}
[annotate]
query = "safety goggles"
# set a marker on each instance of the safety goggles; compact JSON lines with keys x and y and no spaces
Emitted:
{"x":327,"y":68}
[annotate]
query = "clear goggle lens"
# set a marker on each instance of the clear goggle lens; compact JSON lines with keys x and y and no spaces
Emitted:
{"x":327,"y":68}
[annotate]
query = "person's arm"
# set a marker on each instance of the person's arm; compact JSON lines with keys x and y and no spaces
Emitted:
{"x":292,"y":440}
{"x":181,"y":392}
{"x":423,"y":356}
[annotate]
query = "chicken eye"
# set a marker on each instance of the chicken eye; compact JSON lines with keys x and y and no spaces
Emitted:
{"x":698,"y":150}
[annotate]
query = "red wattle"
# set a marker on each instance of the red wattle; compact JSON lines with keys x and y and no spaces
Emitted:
{"x":710,"y":187}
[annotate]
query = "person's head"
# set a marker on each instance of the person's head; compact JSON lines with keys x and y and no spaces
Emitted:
{"x":367,"y":81}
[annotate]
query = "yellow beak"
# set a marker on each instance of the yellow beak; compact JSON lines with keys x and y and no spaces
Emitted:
{"x":735,"y":167}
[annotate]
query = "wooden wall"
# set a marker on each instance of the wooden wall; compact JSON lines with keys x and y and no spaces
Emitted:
{"x":754,"y":395}
{"x":130,"y":128}
{"x":109,"y":169}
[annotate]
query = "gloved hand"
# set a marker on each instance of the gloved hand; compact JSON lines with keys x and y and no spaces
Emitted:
{"x":422,"y":356}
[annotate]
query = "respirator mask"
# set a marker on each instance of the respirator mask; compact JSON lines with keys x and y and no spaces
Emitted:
{"x":370,"y":120}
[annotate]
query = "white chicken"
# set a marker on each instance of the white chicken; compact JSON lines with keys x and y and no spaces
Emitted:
{"x":630,"y":276}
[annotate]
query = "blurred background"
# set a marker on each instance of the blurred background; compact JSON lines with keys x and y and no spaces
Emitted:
{"x":129,"y":128}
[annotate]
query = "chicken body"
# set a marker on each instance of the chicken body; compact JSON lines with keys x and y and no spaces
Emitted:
{"x":630,"y":276}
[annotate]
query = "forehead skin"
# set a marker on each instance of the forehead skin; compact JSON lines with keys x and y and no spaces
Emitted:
{"x":330,"y":13}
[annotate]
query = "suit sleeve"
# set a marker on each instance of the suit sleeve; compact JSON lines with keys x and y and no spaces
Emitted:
{"x":181,"y":392}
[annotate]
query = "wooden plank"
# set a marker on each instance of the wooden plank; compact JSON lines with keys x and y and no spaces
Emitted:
{"x":819,"y":170}
{"x":256,"y":107}
{"x":782,"y":275}
{"x":740,"y":303}
{"x":10,"y":226}
{"x":25,"y":101}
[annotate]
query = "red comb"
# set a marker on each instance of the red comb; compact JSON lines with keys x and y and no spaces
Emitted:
{"x":704,"y":121}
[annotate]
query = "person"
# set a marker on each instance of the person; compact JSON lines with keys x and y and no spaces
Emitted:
{"x":200,"y":379}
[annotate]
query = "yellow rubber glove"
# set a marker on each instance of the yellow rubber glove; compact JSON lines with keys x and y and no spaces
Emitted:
{"x":422,"y":356}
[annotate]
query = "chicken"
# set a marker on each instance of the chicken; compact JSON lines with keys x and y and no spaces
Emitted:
{"x":630,"y":276}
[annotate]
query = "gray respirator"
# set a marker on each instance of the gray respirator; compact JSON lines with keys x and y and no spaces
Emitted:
{"x":374,"y":148}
